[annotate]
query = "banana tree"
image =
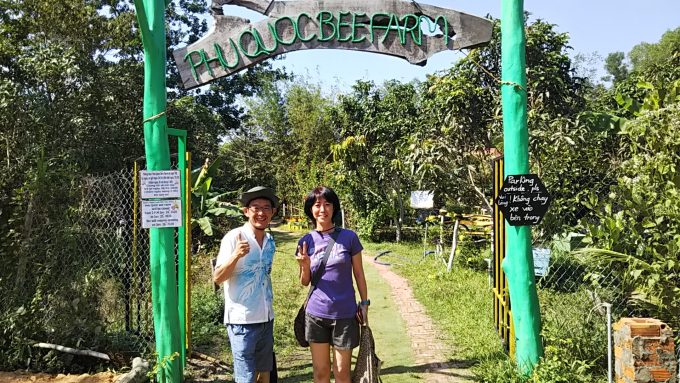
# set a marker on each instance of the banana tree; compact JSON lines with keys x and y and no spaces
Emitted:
{"x":208,"y":204}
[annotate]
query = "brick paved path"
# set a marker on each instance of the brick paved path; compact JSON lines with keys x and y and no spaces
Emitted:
{"x":428,"y":349}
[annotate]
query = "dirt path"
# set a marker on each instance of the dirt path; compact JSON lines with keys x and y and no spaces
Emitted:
{"x":428,"y":349}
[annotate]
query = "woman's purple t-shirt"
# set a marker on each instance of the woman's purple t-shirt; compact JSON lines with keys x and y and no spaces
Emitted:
{"x":333,"y":297}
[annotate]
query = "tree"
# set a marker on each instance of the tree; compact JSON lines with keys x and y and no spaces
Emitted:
{"x":616,"y":67}
{"x":71,"y":83}
{"x":645,"y":56}
{"x":463,"y":126}
{"x":370,"y":159}
{"x":285,"y":141}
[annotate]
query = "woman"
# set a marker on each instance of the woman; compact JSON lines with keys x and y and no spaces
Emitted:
{"x":331,"y":315}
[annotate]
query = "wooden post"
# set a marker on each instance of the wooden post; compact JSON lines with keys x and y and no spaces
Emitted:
{"x":518,"y":263}
{"x":151,"y":18}
{"x":454,"y":245}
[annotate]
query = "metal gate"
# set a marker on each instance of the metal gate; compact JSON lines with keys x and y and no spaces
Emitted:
{"x":502,"y":313}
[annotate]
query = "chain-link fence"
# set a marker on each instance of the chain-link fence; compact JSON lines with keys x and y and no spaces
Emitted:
{"x":78,"y":275}
{"x":567,"y":272}
{"x":578,"y":287}
{"x":113,"y":240}
{"x":570,"y":272}
{"x":115,"y":244}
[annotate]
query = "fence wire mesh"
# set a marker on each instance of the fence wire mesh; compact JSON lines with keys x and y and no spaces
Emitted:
{"x":81,"y":278}
{"x":100,"y":259}
{"x":562,"y":234}
{"x":117,"y":246}
{"x":113,"y":240}
{"x":577,"y":285}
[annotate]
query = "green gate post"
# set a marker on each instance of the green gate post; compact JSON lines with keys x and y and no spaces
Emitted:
{"x":151,"y":18}
{"x":518,"y":264}
{"x":182,"y":247}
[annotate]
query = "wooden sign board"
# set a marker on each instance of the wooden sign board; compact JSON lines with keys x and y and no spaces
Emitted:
{"x":523,"y":199}
{"x":398,"y":28}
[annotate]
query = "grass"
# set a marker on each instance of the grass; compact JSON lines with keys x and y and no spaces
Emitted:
{"x":459,"y":302}
{"x":393,"y":345}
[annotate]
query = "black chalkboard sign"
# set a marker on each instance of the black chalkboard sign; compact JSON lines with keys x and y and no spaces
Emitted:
{"x":523,"y":199}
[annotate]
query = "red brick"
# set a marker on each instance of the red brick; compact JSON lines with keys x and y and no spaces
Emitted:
{"x":660,"y":374}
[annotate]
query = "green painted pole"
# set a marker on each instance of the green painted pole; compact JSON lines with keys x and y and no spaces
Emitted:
{"x":151,"y":18}
{"x":181,"y":241}
{"x":518,"y":263}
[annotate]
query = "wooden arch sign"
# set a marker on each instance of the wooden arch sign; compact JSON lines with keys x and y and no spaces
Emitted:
{"x":397,"y":28}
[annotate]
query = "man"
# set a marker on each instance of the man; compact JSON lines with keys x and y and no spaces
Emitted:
{"x":244,"y":265}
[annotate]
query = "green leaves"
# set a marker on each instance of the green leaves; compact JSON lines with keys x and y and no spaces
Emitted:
{"x":638,"y":227}
{"x":206,"y":203}
{"x":205,"y":223}
{"x":373,"y":156}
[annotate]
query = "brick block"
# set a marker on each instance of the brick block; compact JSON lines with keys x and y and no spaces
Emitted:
{"x":660,"y":374}
{"x":644,"y":351}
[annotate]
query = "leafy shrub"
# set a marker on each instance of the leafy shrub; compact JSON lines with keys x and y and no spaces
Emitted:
{"x":472,"y":255}
{"x":389,"y":234}
{"x":561,"y":368}
{"x":499,"y":371}
{"x":207,"y":310}
{"x":366,"y":226}
{"x":553,"y":369}
{"x":575,"y":342}
{"x":15,"y":349}
{"x":574,"y":328}
{"x":638,"y":230}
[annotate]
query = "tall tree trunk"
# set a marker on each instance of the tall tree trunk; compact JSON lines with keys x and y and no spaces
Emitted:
{"x":27,"y":230}
{"x":400,"y":219}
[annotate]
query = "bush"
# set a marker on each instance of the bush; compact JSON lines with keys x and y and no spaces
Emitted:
{"x":575,"y":341}
{"x":472,"y":254}
{"x":637,"y":226}
{"x":15,"y":349}
{"x":555,"y":367}
{"x":367,"y":226}
{"x":566,"y":274}
{"x":207,"y":311}
{"x":389,"y":234}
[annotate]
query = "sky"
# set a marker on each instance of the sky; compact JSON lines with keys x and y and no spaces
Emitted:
{"x":595,"y":27}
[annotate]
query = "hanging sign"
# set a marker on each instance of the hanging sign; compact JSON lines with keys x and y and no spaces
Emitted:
{"x":523,"y":199}
{"x":422,"y":199}
{"x":541,"y":261}
{"x":404,"y":29}
{"x":161,"y":213}
{"x":159,"y":184}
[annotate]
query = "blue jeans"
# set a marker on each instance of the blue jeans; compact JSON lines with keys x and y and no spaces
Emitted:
{"x":252,"y":346}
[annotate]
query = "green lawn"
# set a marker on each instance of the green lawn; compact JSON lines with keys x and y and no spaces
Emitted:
{"x":391,"y":341}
